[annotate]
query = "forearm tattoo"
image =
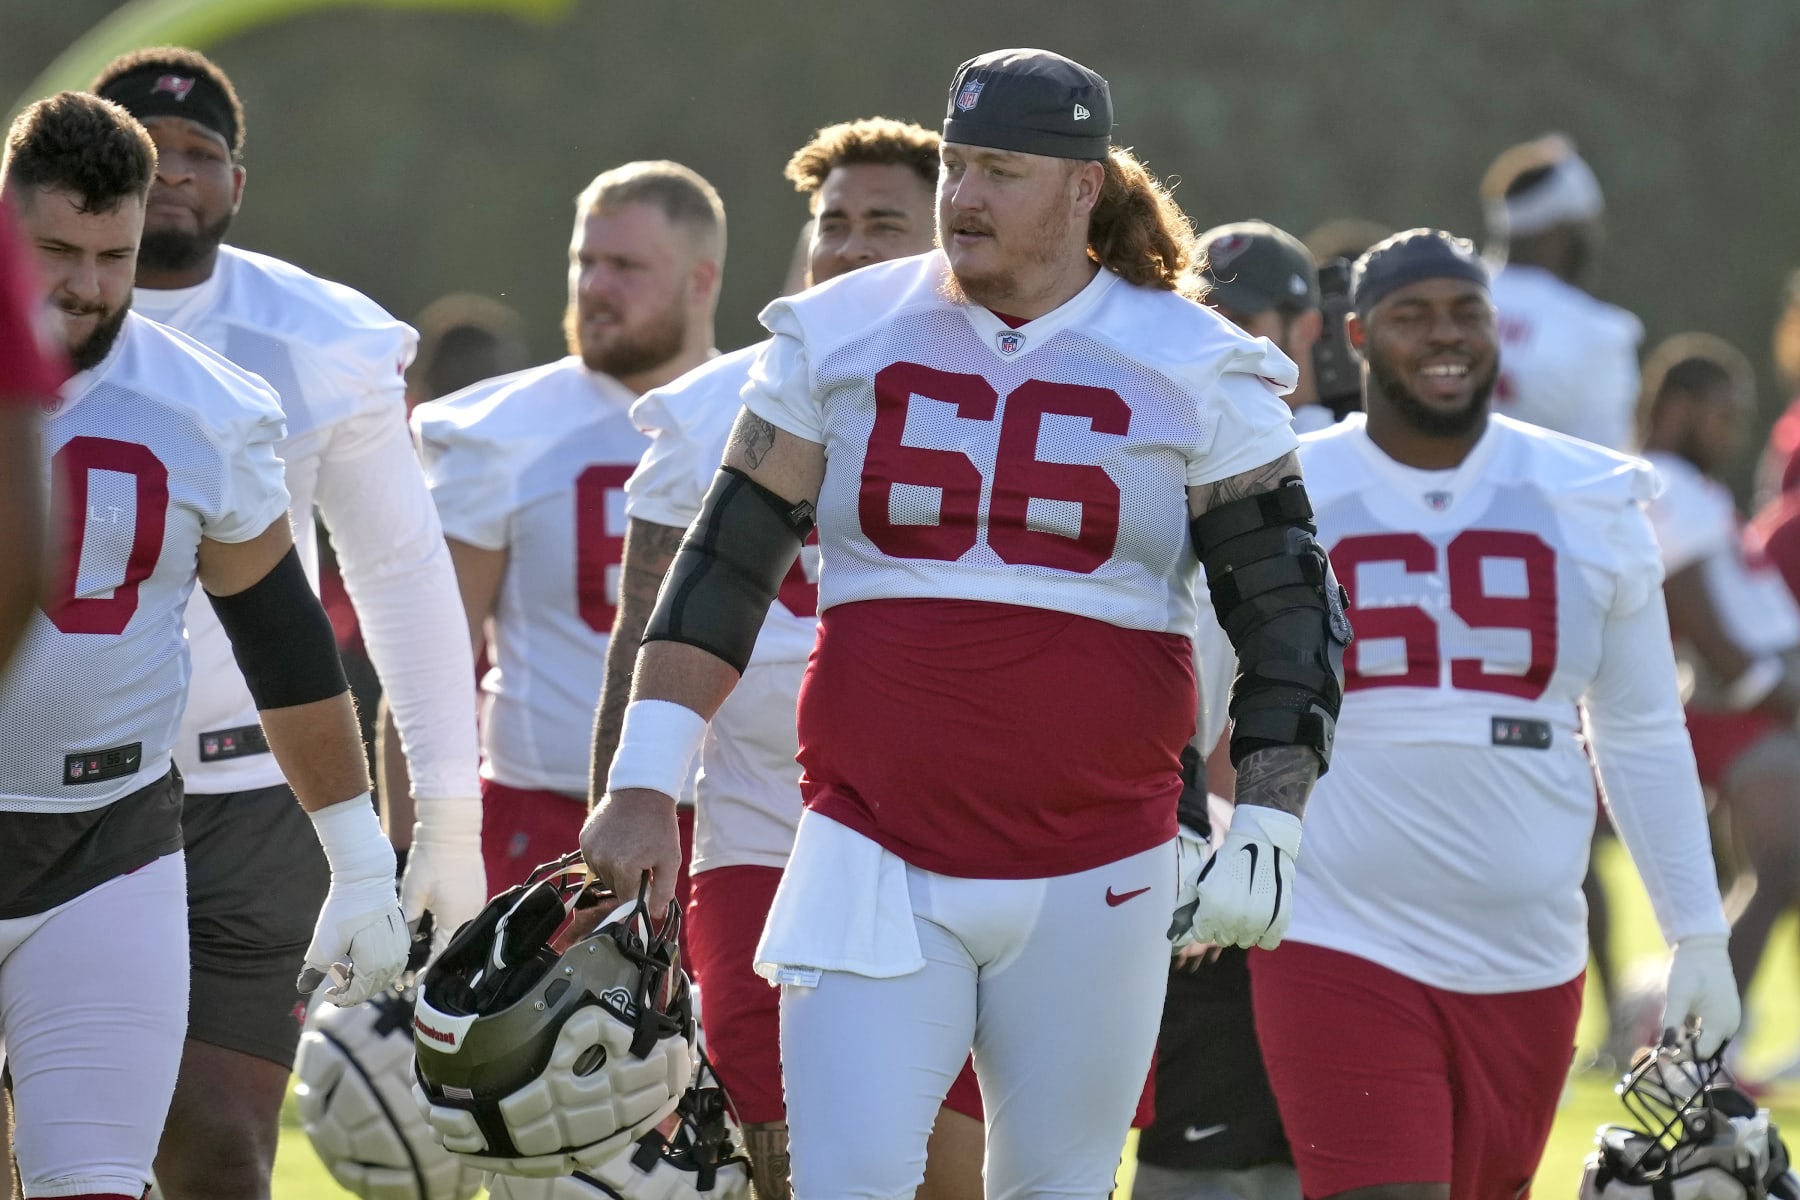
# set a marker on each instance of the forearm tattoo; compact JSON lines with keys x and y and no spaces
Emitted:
{"x":649,"y":549}
{"x":1279,"y":777}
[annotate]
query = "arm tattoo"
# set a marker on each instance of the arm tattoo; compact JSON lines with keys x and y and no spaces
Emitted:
{"x":767,"y":1145}
{"x":1265,"y":478}
{"x":753,"y":436}
{"x":649,"y":549}
{"x":1278,"y":777}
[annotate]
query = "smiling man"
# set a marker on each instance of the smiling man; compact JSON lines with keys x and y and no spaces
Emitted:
{"x":1419,"y":1021}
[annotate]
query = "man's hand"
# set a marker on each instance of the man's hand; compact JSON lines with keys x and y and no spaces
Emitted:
{"x":360,"y":929}
{"x":444,"y":868}
{"x":1191,"y":855}
{"x":1245,"y":893}
{"x":630,"y":832}
{"x":1703,"y":990}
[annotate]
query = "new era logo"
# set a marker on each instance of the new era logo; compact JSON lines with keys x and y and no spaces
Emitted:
{"x":1081,"y":112}
{"x":174,"y":85}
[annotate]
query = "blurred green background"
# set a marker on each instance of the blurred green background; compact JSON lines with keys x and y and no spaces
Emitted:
{"x":411,"y":152}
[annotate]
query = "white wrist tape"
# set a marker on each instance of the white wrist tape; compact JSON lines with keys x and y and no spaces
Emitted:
{"x":1754,"y":685}
{"x":447,"y":820}
{"x":350,"y":833}
{"x":656,"y":747}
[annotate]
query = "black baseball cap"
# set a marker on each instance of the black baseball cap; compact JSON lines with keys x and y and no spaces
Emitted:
{"x":1253,"y":267}
{"x":1406,"y":258}
{"x":1031,"y":102}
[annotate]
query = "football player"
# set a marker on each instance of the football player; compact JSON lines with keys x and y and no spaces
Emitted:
{"x":869,"y":184}
{"x":1419,"y":1020}
{"x":529,"y":472}
{"x":1568,"y":360}
{"x":1735,"y":623}
{"x":1014,"y":446}
{"x":1217,"y":1130}
{"x":164,"y":460}
{"x":30,"y":373}
{"x":255,"y":879}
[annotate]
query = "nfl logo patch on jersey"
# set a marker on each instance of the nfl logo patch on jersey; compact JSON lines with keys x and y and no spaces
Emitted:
{"x":1438,"y":501}
{"x":968,"y":95}
{"x":1009,"y":342}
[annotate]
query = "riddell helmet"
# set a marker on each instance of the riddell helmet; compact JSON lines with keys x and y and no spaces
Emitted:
{"x":354,"y":1092}
{"x":1697,"y":1138}
{"x":540,"y":1052}
{"x":701,"y":1162}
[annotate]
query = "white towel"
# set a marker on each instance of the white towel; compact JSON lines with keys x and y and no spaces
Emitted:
{"x":843,"y":905}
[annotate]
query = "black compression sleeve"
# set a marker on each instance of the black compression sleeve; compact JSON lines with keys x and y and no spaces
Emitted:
{"x":729,"y":568}
{"x":281,"y":638}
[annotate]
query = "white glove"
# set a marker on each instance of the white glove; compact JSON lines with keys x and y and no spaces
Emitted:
{"x":1191,"y":853}
{"x":360,"y":938}
{"x":1246,"y":890}
{"x":444,"y":870}
{"x":1702,"y":989}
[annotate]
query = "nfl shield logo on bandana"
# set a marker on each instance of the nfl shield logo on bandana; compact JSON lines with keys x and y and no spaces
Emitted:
{"x":970,"y":93}
{"x":175,"y":85}
{"x":1009,"y":341}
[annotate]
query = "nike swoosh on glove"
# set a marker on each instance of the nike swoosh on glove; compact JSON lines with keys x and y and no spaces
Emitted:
{"x":1246,"y":890}
{"x":444,"y":868}
{"x":360,"y":925}
{"x":1702,"y":988}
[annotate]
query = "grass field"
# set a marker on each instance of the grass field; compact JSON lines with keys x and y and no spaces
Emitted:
{"x":1773,"y":1040}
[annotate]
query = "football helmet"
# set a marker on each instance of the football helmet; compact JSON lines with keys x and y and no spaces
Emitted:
{"x":354,"y":1092}
{"x":702,"y":1161}
{"x":1696,"y":1137}
{"x":542,"y":1049}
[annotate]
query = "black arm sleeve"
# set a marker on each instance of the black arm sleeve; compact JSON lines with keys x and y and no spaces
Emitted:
{"x":281,"y":638}
{"x":1274,"y":592}
{"x":729,"y":567}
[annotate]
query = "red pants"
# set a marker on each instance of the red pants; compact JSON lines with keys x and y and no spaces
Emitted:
{"x":740,"y":1012}
{"x":1721,"y":738}
{"x":524,"y":828}
{"x":1382,"y":1079}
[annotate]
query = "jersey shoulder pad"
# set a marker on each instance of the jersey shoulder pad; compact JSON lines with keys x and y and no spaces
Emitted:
{"x":1574,"y":470}
{"x":352,"y":347}
{"x":1187,"y":341}
{"x":168,"y":366}
{"x":831,"y":314}
{"x":697,"y":399}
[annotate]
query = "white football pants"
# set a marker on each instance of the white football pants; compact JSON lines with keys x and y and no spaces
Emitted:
{"x":93,"y":1013}
{"x":1057,"y":984}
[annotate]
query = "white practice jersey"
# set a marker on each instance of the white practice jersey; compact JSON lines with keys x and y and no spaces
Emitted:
{"x":1696,"y":521}
{"x":1450,"y":837}
{"x":160,"y":445}
{"x":337,"y":360}
{"x":748,"y":791}
{"x":535,"y":464}
{"x":1568,"y":362}
{"x":975,"y":461}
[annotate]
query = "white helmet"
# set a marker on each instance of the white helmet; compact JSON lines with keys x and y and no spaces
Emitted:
{"x":1697,"y":1137}
{"x":354,"y":1092}
{"x":702,"y":1161}
{"x":538,"y":1055}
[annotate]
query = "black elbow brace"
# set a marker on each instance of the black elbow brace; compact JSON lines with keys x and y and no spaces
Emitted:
{"x":1274,"y":592}
{"x":729,"y":567}
{"x":281,"y":638}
